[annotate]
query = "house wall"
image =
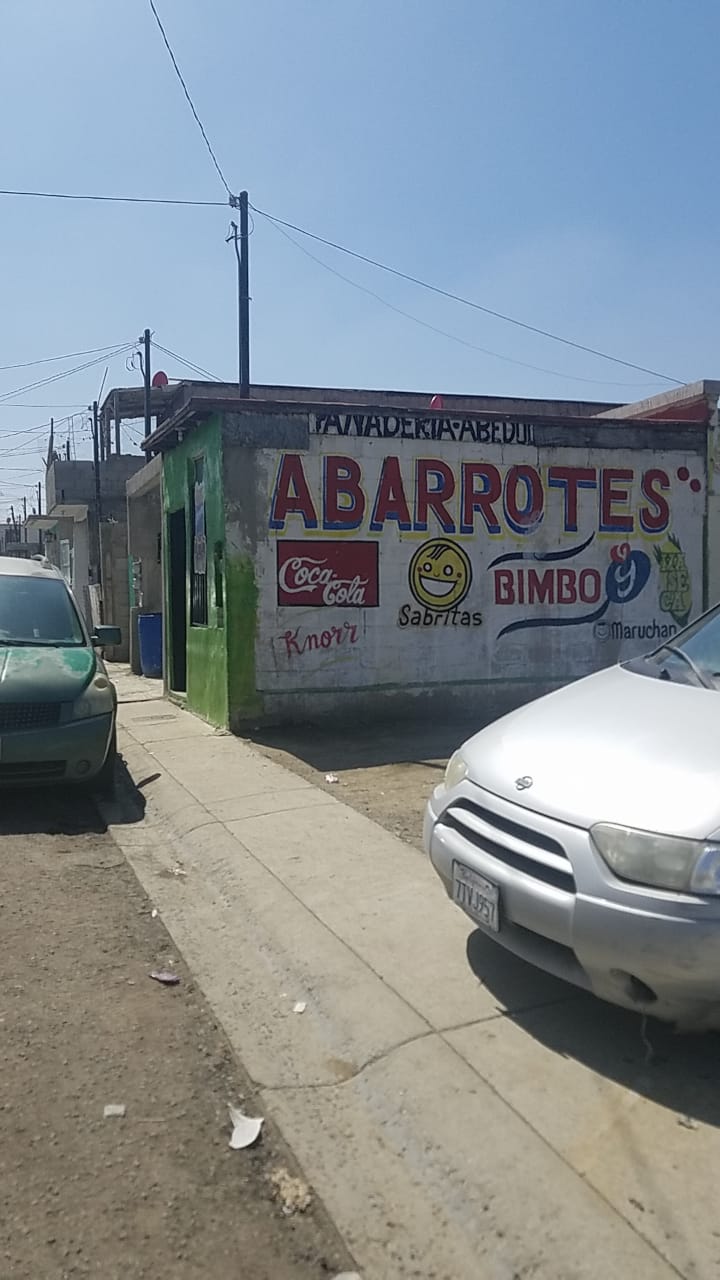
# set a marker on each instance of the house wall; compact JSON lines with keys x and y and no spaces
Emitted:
{"x":207,"y":671}
{"x":390,"y":564}
{"x":115,"y":584}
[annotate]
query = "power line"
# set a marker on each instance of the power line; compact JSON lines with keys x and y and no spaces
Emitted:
{"x":75,"y":195}
{"x":190,"y":102}
{"x":196,"y":367}
{"x":67,"y":373}
{"x":466,"y":302}
{"x":454,"y":337}
{"x":17,"y":404}
{"x":69,"y":355}
{"x":360,"y":257}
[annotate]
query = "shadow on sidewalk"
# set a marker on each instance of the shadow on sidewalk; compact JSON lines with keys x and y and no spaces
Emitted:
{"x":680,"y":1073}
{"x":69,"y":810}
{"x":344,"y":745}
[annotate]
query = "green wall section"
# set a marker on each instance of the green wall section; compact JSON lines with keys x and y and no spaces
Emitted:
{"x":207,"y":659}
{"x":241,"y":597}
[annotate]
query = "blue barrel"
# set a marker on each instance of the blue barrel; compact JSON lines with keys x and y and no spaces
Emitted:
{"x":150,"y":643}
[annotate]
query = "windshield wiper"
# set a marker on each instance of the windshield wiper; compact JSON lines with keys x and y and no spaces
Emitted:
{"x":680,"y":653}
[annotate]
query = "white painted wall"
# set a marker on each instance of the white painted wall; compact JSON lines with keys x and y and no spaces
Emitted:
{"x":626,"y":576}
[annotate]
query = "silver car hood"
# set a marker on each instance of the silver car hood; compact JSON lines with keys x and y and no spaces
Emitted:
{"x":615,"y":747}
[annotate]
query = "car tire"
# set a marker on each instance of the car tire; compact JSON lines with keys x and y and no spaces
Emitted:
{"x":103,"y":784}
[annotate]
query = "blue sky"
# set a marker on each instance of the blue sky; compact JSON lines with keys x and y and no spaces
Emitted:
{"x":553,"y":159}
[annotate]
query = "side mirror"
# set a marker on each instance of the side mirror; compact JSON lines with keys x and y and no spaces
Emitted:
{"x":106,"y":636}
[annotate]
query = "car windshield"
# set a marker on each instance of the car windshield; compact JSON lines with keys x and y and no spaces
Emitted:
{"x":690,"y":657}
{"x":37,"y":611}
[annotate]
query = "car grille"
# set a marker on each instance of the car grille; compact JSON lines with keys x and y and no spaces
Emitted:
{"x":28,"y":715}
{"x":513,"y":843}
{"x":32,"y":770}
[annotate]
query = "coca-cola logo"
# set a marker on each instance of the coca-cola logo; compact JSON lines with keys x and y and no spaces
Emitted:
{"x":328,"y":574}
{"x":303,"y":573}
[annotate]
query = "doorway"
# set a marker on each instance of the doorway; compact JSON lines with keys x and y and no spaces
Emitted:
{"x":177,"y":539}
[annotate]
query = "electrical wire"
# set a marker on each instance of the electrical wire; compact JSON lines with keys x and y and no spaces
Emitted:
{"x":76,"y":195}
{"x":454,"y":337}
{"x":373,"y":262}
{"x":466,"y":302}
{"x":69,"y":355}
{"x":196,"y":367}
{"x":67,"y":373}
{"x":190,"y":102}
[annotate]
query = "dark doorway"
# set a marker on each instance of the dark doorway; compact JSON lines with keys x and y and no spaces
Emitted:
{"x":177,"y":538}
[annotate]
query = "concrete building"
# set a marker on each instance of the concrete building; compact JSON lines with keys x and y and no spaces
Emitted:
{"x":90,"y":546}
{"x":332,"y":552}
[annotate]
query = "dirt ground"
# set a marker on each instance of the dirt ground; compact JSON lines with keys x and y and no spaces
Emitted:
{"x":157,"y":1193}
{"x":386,"y":771}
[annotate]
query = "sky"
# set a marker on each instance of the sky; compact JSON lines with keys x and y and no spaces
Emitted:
{"x":550,"y":159}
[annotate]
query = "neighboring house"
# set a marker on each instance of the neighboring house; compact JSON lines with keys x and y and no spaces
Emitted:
{"x":331,"y":552}
{"x":91,"y":553}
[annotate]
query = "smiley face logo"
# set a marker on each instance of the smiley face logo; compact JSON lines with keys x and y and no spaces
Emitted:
{"x":440,"y":574}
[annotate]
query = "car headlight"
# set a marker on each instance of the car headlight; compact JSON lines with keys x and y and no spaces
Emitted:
{"x":456,"y":771}
{"x":97,"y":700}
{"x":661,"y":862}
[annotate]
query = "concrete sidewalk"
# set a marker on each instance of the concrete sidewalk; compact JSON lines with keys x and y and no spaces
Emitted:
{"x":457,"y":1126}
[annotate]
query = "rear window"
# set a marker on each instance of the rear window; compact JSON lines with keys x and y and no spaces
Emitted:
{"x":37,"y":611}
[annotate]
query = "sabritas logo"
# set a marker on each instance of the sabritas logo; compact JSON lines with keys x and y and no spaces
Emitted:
{"x":440,"y":574}
{"x":328,"y":574}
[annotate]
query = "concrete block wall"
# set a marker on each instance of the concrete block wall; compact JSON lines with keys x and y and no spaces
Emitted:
{"x":115,"y":584}
{"x":402,"y":562}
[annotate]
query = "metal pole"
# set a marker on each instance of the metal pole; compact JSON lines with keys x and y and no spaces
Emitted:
{"x":98,"y":496}
{"x":39,"y":498}
{"x":244,"y":296}
{"x":116,"y":411}
{"x":146,"y":374}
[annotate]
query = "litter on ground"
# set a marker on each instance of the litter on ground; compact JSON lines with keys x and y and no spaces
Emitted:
{"x":299,"y":1007}
{"x":294,"y":1194}
{"x":113,"y":1109}
{"x":164,"y":976}
{"x":331,"y":777}
{"x":246,"y":1129}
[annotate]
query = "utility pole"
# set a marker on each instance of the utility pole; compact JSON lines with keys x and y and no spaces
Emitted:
{"x":146,"y":376}
{"x":24,"y":519}
{"x":39,"y":498}
{"x":242,"y":254}
{"x":116,"y":411}
{"x":98,"y":496}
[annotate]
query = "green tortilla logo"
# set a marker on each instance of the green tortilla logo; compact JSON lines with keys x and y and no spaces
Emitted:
{"x":675,"y":584}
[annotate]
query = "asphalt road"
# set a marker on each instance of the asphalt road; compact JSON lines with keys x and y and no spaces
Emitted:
{"x":156,"y":1193}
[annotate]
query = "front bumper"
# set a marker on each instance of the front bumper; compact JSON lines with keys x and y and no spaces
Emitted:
{"x":73,"y":752}
{"x":562,"y":909}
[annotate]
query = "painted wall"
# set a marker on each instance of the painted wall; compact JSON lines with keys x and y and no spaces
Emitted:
{"x":403,"y":558}
{"x":207,"y":675}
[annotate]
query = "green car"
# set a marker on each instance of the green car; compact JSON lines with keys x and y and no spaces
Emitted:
{"x":57,"y":706}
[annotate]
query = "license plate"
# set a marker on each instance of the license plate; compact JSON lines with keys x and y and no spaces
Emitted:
{"x":476,"y":895}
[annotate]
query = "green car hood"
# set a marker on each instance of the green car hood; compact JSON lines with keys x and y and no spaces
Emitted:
{"x":44,"y":674}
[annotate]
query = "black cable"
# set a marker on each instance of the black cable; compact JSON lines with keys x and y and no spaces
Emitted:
{"x":361,"y":257}
{"x":190,"y":102}
{"x":67,"y":373}
{"x":454,"y":337}
{"x":196,"y":367}
{"x":466,"y":302}
{"x":69,"y":355}
{"x":74,"y":195}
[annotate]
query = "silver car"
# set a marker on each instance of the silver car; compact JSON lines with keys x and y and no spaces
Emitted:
{"x":582,"y":831}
